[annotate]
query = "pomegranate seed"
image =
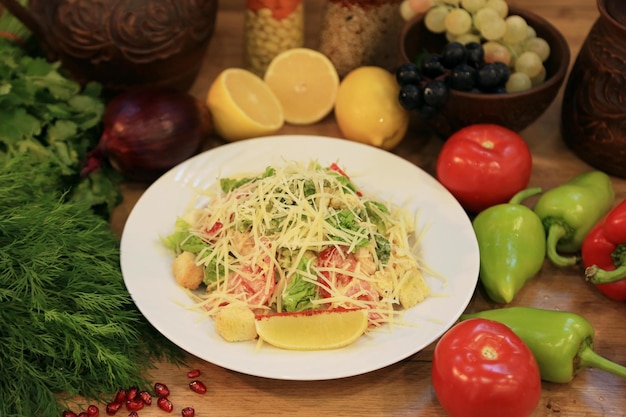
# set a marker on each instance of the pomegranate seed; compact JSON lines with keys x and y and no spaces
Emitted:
{"x":198,"y":387}
{"x":131,"y":394}
{"x":161,"y":390}
{"x":194,"y":373}
{"x":133,"y":414}
{"x":68,"y":413}
{"x":93,"y":411}
{"x":188,"y":412}
{"x":134,"y":405}
{"x":112,"y":408}
{"x":145,"y":397}
{"x":82,"y":414}
{"x":120,"y":397}
{"x":165,"y":404}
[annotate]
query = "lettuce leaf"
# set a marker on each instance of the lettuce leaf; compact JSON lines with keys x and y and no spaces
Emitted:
{"x":300,"y":292}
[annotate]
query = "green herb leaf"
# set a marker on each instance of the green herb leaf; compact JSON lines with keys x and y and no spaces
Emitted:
{"x":45,"y":113}
{"x":68,"y":325}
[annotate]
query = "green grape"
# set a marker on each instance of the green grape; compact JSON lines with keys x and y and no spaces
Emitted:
{"x":454,"y":3}
{"x":530,"y":32}
{"x":450,"y":37}
{"x":518,"y":82}
{"x":458,"y":22}
{"x":516,"y":29}
{"x":539,"y":78}
{"x":539,"y":46}
{"x":516,"y":50}
{"x":420,"y":6}
{"x":493,"y":29}
{"x":528,"y":63}
{"x":410,"y":8}
{"x":435,"y":19}
{"x":405,"y":10}
{"x":473,"y":6}
{"x":499,"y":6}
{"x":468,"y":38}
{"x":484,"y":15}
{"x":496,"y":52}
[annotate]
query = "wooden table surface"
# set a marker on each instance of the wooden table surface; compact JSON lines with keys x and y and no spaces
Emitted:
{"x":404,"y":389}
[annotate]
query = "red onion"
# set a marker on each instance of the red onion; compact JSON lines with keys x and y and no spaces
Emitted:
{"x":148,"y":131}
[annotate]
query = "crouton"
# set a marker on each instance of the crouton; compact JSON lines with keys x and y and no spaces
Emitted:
{"x":186,"y":273}
{"x":413,"y":290}
{"x":235,"y":323}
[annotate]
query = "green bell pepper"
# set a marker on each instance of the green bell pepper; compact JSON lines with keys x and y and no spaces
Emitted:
{"x":512,"y":245}
{"x":568,"y":212}
{"x":562,"y":342}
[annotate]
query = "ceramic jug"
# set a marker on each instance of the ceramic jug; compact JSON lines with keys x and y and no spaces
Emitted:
{"x":123,"y":43}
{"x":594,"y":101}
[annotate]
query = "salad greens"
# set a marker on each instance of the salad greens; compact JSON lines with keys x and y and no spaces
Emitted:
{"x":299,"y":292}
{"x":68,"y":326}
{"x":230,"y":184}
{"x":287,"y":213}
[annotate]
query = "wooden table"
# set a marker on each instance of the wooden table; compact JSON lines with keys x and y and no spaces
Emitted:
{"x":404,"y":389}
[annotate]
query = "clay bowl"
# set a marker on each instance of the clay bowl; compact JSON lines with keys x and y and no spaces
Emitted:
{"x":123,"y":44}
{"x":513,"y":110}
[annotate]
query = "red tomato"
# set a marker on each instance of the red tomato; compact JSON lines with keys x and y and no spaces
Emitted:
{"x":483,"y":165}
{"x":482,"y":369}
{"x":334,"y":258}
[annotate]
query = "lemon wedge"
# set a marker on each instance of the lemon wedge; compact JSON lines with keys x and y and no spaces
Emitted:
{"x":312,"y":330}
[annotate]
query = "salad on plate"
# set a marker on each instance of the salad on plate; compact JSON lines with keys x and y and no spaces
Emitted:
{"x":296,"y":238}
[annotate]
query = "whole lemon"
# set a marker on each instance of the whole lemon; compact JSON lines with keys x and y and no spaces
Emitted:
{"x":367,"y":108}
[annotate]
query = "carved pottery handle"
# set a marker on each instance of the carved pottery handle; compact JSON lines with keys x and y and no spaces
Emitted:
{"x":26,"y":17}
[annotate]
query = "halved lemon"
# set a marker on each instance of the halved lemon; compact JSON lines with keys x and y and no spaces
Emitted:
{"x":312,"y":330}
{"x":305,"y":82}
{"x":243,"y":106}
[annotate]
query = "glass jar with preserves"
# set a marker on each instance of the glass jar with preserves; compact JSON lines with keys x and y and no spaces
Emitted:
{"x":361,"y":32}
{"x":271,"y":27}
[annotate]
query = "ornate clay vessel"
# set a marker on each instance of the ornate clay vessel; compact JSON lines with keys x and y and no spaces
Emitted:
{"x":594,"y":102}
{"x":123,"y":43}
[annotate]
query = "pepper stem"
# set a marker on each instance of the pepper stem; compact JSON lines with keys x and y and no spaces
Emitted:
{"x":590,"y":359}
{"x":524,"y":194}
{"x":597,"y":275}
{"x":555,"y":233}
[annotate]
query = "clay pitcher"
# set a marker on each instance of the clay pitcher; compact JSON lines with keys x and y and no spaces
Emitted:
{"x":123,"y":43}
{"x":594,"y":102}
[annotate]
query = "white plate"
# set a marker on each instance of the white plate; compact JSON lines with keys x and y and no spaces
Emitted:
{"x":449,"y":246}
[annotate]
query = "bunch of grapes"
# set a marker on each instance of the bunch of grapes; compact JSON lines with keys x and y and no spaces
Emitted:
{"x":505,"y":38}
{"x":424,"y":87}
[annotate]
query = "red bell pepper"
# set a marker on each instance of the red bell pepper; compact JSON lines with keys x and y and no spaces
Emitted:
{"x":604,"y":254}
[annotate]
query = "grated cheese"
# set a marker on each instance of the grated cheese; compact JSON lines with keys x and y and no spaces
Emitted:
{"x":302,"y":221}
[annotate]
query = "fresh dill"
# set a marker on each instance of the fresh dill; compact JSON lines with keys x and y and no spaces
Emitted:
{"x":68,"y":326}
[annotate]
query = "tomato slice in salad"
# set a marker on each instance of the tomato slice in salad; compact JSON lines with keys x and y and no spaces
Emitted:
{"x":329,"y":260}
{"x":333,"y":259}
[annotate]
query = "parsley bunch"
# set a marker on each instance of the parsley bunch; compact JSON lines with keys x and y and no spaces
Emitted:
{"x":48,"y":115}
